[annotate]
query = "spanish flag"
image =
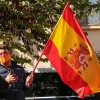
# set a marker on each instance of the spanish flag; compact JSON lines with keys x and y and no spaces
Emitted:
{"x":72,"y":55}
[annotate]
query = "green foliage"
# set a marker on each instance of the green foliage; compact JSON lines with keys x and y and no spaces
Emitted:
{"x":29,"y":21}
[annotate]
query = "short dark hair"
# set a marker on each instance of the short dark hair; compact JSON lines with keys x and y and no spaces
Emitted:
{"x":4,"y":47}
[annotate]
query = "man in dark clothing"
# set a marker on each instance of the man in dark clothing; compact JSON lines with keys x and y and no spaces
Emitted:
{"x":4,"y":86}
{"x":15,"y":75}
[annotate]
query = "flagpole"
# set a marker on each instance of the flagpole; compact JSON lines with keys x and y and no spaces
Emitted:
{"x":37,"y":63}
{"x":32,"y":73}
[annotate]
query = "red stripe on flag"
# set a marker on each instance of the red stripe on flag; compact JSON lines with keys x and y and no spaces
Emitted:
{"x":67,"y":74}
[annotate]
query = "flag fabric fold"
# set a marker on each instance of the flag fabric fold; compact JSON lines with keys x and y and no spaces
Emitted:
{"x":72,"y":55}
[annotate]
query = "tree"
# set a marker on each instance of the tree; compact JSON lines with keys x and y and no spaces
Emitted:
{"x":32,"y":21}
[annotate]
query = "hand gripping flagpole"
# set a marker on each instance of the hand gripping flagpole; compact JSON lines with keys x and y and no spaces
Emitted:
{"x":34,"y":68}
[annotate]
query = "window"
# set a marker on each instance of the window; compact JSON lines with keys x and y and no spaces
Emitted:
{"x":92,"y":19}
{"x":95,"y":19}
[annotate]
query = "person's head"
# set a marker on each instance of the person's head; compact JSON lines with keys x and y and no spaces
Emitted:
{"x":5,"y":56}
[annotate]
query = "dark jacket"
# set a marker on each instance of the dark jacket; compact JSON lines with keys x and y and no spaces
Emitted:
{"x":4,"y":86}
{"x":16,"y":89}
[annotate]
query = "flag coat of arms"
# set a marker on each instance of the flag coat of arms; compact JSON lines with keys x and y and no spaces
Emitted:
{"x":72,"y":55}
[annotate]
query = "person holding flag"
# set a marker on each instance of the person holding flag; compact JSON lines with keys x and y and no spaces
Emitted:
{"x":14,"y":75}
